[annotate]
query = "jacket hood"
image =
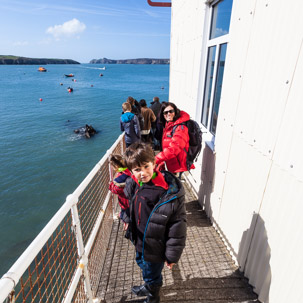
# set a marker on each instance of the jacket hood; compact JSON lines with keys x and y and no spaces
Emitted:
{"x":175,"y":186}
{"x":127,"y":117}
{"x":183,"y":118}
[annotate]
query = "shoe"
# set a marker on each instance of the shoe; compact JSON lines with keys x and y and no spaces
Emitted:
{"x":154,"y":296}
{"x":141,"y":290}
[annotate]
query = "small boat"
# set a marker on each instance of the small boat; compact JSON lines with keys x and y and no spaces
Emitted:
{"x":103,"y":68}
{"x":70,"y":89}
{"x":42,"y":69}
{"x":69,"y":75}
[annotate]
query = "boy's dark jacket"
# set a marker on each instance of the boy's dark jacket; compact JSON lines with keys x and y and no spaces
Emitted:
{"x":165,"y":231}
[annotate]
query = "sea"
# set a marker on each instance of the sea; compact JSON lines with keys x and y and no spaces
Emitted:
{"x":42,"y":159}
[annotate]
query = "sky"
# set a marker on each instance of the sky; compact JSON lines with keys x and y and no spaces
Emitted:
{"x":83,"y":30}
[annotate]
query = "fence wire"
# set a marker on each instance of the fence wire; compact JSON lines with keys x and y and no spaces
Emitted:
{"x":51,"y":272}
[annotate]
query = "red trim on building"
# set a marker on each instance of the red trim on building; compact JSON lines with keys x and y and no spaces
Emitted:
{"x":163,"y":4}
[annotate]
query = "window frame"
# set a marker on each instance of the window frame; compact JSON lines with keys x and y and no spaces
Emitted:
{"x":209,"y":137}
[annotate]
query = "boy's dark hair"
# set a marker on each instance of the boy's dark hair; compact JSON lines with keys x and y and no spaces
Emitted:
{"x":116,"y":160}
{"x":142,"y":103}
{"x":138,"y":154}
{"x":164,"y":105}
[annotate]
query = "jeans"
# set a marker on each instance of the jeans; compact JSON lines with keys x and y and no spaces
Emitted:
{"x":151,"y":272}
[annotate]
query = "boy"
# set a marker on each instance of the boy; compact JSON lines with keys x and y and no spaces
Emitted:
{"x":157,"y":218}
{"x":130,"y":124}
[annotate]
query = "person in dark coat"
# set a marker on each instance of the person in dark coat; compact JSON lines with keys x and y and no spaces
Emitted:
{"x":130,"y":124}
{"x":155,"y":106}
{"x":157,"y":225}
{"x":156,"y":127}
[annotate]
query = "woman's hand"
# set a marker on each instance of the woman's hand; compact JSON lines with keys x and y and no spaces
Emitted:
{"x":169,"y":265}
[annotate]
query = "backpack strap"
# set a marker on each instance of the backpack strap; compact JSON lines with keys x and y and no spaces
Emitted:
{"x":175,"y":127}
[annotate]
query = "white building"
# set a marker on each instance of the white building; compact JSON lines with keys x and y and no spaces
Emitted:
{"x":243,"y":82}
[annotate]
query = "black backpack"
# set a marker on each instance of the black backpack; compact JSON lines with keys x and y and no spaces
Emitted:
{"x":195,"y":141}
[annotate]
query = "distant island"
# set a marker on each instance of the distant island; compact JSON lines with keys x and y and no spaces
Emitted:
{"x":15,"y":60}
{"x":130,"y":61}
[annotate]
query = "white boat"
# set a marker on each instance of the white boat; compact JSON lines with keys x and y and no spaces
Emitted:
{"x":103,"y":68}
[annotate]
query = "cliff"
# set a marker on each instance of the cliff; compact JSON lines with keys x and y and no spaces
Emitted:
{"x":12,"y":60}
{"x":130,"y":61}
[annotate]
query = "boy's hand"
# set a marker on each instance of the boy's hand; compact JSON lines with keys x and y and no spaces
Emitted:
{"x":169,"y":265}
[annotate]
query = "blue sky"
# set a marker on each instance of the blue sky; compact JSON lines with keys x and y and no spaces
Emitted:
{"x":84,"y":30}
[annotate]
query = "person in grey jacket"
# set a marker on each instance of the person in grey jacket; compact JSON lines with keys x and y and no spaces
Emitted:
{"x":157,"y":225}
{"x":130,"y":124}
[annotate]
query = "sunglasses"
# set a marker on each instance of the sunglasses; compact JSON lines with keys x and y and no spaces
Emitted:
{"x":171,"y":111}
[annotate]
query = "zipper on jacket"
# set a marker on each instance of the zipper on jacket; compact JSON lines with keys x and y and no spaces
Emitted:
{"x":148,"y":223}
{"x":139,"y":213}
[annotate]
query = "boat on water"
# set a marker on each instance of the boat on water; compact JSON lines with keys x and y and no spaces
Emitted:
{"x":250,"y":196}
{"x":42,"y":69}
{"x":69,"y":75}
{"x":103,"y":68}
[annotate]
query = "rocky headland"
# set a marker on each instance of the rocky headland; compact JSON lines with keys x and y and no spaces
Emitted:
{"x":130,"y":61}
{"x":15,"y":60}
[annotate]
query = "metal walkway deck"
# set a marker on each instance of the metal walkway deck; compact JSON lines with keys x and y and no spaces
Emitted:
{"x":206,"y":272}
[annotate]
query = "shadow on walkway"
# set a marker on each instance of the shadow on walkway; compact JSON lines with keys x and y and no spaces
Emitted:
{"x":205,"y":273}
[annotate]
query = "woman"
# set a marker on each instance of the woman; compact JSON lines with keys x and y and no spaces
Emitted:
{"x":174,"y":148}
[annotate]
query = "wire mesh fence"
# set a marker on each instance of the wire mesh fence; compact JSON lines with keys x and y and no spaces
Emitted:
{"x":53,"y":267}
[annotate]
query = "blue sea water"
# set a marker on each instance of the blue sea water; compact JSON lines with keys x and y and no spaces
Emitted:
{"x":42,"y":159}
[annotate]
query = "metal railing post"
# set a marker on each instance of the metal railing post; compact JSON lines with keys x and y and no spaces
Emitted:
{"x":81,"y":252}
{"x":111,"y":177}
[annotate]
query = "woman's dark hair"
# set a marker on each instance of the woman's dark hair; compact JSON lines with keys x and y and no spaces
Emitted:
{"x":142,"y":103}
{"x":130,"y":100}
{"x":176,"y":109}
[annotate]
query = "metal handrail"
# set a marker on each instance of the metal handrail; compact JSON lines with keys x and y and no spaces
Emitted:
{"x":44,"y":245}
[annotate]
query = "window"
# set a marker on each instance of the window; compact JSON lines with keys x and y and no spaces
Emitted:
{"x":216,"y":47}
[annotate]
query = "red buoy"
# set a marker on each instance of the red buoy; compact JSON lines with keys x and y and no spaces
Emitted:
{"x":40,"y":99}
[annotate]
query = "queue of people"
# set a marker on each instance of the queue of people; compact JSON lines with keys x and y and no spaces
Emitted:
{"x":150,"y":194}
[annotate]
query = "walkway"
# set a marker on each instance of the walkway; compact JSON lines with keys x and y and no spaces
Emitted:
{"x":206,"y":273}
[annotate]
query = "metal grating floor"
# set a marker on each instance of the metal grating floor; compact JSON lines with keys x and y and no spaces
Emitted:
{"x":206,"y":272}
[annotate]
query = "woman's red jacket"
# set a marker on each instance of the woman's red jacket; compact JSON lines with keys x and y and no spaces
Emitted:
{"x":174,"y":147}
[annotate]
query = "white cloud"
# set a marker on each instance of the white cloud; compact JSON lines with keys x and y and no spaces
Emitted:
{"x":20,"y":43}
{"x":67,"y":29}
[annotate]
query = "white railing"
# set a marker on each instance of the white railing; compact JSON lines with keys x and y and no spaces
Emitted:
{"x":64,"y":262}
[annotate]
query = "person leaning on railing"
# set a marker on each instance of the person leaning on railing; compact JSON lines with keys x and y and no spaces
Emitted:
{"x":130,"y":124}
{"x":148,"y":117}
{"x":117,"y":186}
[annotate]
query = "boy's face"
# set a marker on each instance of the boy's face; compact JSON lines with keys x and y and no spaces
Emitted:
{"x":144,"y":172}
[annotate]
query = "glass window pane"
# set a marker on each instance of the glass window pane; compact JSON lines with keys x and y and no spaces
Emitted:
{"x":218,"y":88}
{"x":208,"y":83}
{"x":220,"y":18}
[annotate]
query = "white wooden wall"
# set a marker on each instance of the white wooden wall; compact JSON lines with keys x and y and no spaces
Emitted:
{"x":252,"y":187}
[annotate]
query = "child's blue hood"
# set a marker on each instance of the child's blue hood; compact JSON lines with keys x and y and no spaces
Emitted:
{"x":126,"y":117}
